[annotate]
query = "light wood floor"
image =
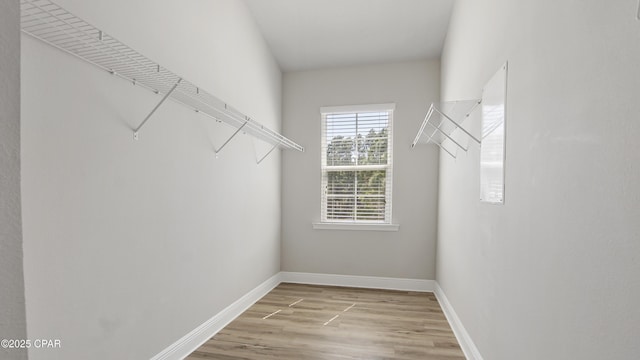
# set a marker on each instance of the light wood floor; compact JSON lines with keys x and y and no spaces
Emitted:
{"x":304,"y":322}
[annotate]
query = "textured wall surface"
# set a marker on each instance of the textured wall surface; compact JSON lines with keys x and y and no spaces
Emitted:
{"x":130,"y":245}
{"x":12,"y":303}
{"x":555,"y":272}
{"x":407,"y":253}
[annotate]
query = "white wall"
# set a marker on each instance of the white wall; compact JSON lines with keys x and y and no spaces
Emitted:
{"x":555,"y":272}
{"x":12,"y":303}
{"x":130,"y":245}
{"x":412,"y":86}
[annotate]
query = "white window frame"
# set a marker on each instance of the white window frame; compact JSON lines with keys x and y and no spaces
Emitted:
{"x":353,"y":224}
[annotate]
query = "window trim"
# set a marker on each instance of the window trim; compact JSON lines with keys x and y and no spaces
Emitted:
{"x":355,"y":226}
{"x":345,"y":109}
{"x":371,"y":225}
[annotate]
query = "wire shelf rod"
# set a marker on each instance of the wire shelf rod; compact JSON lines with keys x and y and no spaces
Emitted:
{"x":235,"y":116}
{"x":445,"y":123}
{"x":458,"y":126}
{"x":422,"y":126}
{"x":445,"y":149}
{"x":87,"y":39}
{"x":46,"y":21}
{"x":437,"y":129}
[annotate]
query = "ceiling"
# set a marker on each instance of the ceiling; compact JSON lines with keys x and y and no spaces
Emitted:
{"x":313,"y":34}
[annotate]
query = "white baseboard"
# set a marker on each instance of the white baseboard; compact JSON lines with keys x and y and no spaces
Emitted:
{"x":464,"y":339}
{"x":198,"y":336}
{"x":358,"y":281}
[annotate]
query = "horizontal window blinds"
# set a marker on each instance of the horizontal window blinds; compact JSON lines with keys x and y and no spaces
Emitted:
{"x":357,"y":165}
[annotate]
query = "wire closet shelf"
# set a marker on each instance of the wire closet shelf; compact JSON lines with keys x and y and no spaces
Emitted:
{"x":443,"y":125}
{"x":52,"y":24}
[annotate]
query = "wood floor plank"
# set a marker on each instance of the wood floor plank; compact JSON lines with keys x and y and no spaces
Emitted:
{"x":296,"y":321}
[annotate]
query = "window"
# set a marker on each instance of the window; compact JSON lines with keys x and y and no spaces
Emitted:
{"x":357,"y":164}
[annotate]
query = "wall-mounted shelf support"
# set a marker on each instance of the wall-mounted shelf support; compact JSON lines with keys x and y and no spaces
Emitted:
{"x":458,"y":126}
{"x":135,"y":132}
{"x":232,"y":136}
{"x":445,"y":118}
{"x":267,"y":154}
{"x":50,"y":23}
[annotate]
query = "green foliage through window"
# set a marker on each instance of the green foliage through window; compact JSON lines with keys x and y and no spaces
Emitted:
{"x":356,"y":166}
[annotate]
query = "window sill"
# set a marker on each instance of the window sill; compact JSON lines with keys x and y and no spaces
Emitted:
{"x":355,"y":226}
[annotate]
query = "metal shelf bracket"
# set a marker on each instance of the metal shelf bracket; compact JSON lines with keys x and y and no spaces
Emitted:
{"x":232,"y":136}
{"x":445,"y":118}
{"x":52,"y":24}
{"x":267,"y":154}
{"x":135,"y":132}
